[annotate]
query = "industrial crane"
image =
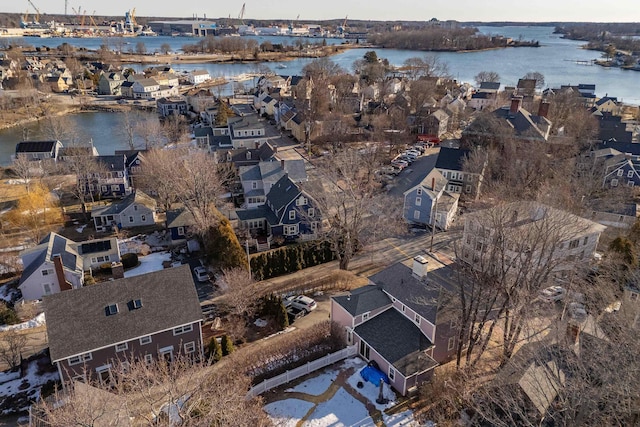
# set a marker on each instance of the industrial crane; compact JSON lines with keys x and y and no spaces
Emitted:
{"x":241,"y":14}
{"x":93,"y":22}
{"x":37,"y":18}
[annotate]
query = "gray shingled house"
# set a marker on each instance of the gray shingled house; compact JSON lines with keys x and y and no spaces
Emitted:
{"x":143,"y":317}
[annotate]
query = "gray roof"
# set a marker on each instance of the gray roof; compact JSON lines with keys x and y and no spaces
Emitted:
{"x":489,"y":85}
{"x":203,"y":131}
{"x":523,"y":122}
{"x":76,"y":320}
{"x":272,"y":171}
{"x":258,"y":213}
{"x":53,"y":244}
{"x":249,"y":173}
{"x":180,"y":218}
{"x":362,"y":300}
{"x":113,"y":163}
{"x":281,"y":194}
{"x":421,"y":296}
{"x":117,"y":207}
{"x":399,"y":341}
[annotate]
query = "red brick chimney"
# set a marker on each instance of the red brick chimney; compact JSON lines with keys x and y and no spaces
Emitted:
{"x":62,"y":281}
{"x":433,"y":183}
{"x":543,"y":110}
{"x":516,"y":103}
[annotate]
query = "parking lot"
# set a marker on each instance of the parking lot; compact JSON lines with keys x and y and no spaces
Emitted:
{"x":413,"y":174}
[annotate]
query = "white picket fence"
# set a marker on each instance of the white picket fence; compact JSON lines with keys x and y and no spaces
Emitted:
{"x":293,"y":374}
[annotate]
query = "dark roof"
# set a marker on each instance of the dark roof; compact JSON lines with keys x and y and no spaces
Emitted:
{"x":421,"y":296}
{"x":523,"y":122}
{"x":451,"y":158}
{"x":489,"y":85}
{"x":76,"y":320}
{"x":119,"y":206}
{"x":35,"y":146}
{"x":296,"y":79}
{"x":203,"y":131}
{"x":113,"y":163}
{"x":623,"y":147}
{"x":95,"y":246}
{"x":605,"y":99}
{"x":399,"y":341}
{"x":180,"y":218}
{"x":258,"y":213}
{"x":362,"y":300}
{"x":283,"y":192}
{"x":131,"y":155}
{"x":612,"y":128}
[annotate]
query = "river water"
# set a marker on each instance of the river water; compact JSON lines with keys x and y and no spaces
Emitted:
{"x":555,"y":59}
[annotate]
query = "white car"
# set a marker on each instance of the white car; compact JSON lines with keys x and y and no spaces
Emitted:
{"x":301,"y":302}
{"x":414,"y":153}
{"x":400,"y":164}
{"x":201,"y":274}
{"x":553,"y":294}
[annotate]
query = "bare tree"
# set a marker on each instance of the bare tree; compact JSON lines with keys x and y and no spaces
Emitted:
{"x":25,"y":170}
{"x":350,"y":200}
{"x":487,"y":76}
{"x":80,"y":163}
{"x":241,"y":292}
{"x":12,"y":344}
{"x":537,"y":76}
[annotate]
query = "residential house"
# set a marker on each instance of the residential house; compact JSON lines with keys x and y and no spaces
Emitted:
{"x":622,"y":170}
{"x":526,"y":126}
{"x":399,"y":321}
{"x":180,"y":223}
{"x":299,"y":127}
{"x":38,"y":150}
{"x":450,"y":164}
{"x":84,"y":150}
{"x":577,"y":238}
{"x":436,"y":123}
{"x":489,"y":87}
{"x":618,"y":215}
{"x":246,"y":132}
{"x":98,"y":252}
{"x":126,"y":89}
{"x":198,"y":76}
{"x":170,"y":106}
{"x":428,"y":203}
{"x":611,"y":128}
{"x":52,"y":266}
{"x":110,"y":83}
{"x":482,"y":100}
{"x":288,"y":212}
{"x":57,"y":84}
{"x":134,"y":161}
{"x":149,"y":88}
{"x":111,"y":178}
{"x":608,"y":104}
{"x":135,"y":210}
{"x":146,"y":317}
{"x":168,"y":79}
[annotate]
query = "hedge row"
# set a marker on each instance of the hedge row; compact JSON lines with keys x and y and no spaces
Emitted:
{"x":290,"y":258}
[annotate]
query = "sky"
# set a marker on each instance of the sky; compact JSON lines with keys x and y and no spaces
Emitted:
{"x":416,"y":10}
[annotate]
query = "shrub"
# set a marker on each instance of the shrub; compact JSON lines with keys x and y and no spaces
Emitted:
{"x":129,"y":260}
{"x":227,"y":345}
{"x":7,"y":315}
{"x":214,"y":351}
{"x":288,"y":259}
{"x":222,"y":246}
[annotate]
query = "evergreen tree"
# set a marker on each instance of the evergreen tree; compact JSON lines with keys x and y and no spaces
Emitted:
{"x":214,"y":351}
{"x":227,"y":345}
{"x":282,"y":319}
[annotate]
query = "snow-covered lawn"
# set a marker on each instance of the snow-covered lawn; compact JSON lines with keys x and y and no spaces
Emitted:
{"x":149,"y":263}
{"x":33,"y":323}
{"x":23,"y":390}
{"x":343,"y":408}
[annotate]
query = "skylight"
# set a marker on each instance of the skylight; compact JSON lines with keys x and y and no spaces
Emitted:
{"x":111,"y":309}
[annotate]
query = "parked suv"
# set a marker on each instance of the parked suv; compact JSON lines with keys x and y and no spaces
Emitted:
{"x":302,"y":302}
{"x":201,"y":274}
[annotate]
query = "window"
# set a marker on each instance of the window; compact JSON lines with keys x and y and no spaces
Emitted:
{"x":148,"y":358}
{"x":115,"y":188}
{"x":393,"y":299}
{"x":614,"y":182}
{"x":122,"y":347}
{"x":468,"y":188}
{"x":104,"y":374}
{"x":301,"y":201}
{"x":145,"y":340}
{"x":47,"y":272}
{"x":630,"y":174}
{"x":620,"y":172}
{"x":416,"y":214}
{"x":47,"y":288}
{"x":143,"y":218}
{"x":190,"y":347}
{"x":451,"y":344}
{"x":349,"y":335}
{"x":130,"y":219}
{"x":416,"y":318}
{"x":392,"y":373}
{"x":104,"y":188}
{"x":292,"y":214}
{"x":573,"y":244}
{"x":418,"y":201}
{"x":180,"y":231}
{"x":76,"y":360}
{"x":254,"y":185}
{"x":311,"y":212}
{"x":111,"y":309}
{"x":585,"y":240}
{"x":365,"y":316}
{"x":182,"y":329}
{"x":630,"y":183}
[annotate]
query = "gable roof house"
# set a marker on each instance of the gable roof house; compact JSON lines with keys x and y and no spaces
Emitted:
{"x":169,"y":106}
{"x":109,"y":83}
{"x":38,"y":150}
{"x":135,"y":210}
{"x":427,"y":203}
{"x":246,"y":132}
{"x":436,"y":123}
{"x":110,"y":180}
{"x":151,"y":316}
{"x":198,"y":76}
{"x":180,"y":223}
{"x":97,"y":252}
{"x":526,"y":126}
{"x":399,"y":321}
{"x":450,"y":164}
{"x":52,"y":266}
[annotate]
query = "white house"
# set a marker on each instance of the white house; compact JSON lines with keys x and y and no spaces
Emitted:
{"x":51,"y":267}
{"x":97,"y":252}
{"x":198,"y":76}
{"x":135,"y":210}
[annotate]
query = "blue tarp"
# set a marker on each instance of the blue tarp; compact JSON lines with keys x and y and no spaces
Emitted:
{"x":373,"y":375}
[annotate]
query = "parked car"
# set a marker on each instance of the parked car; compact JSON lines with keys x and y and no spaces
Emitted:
{"x":406,"y":158}
{"x":553,"y":294}
{"x":577,"y":311}
{"x":413,"y":152}
{"x":295,"y":313}
{"x":400,"y":164}
{"x":202,"y":275}
{"x":302,"y":302}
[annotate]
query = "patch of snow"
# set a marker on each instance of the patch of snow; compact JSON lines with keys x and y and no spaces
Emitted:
{"x":149,"y":263}
{"x":13,"y":248}
{"x":39,"y":320}
{"x":7,"y":293}
{"x":371,"y":392}
{"x":81,"y":228}
{"x":316,"y":385}
{"x":288,"y":412}
{"x":9,"y":376}
{"x":341,"y":410}
{"x":260,"y":323}
{"x":16,"y":181}
{"x":404,"y":419}
{"x":29,"y":384}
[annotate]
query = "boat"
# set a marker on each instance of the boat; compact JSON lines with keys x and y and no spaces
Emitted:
{"x":281,"y":66}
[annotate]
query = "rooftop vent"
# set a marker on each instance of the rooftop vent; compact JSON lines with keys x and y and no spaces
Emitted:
{"x":111,"y":309}
{"x":134,"y":304}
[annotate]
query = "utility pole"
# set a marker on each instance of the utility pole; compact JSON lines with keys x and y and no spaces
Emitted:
{"x":433,"y":223}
